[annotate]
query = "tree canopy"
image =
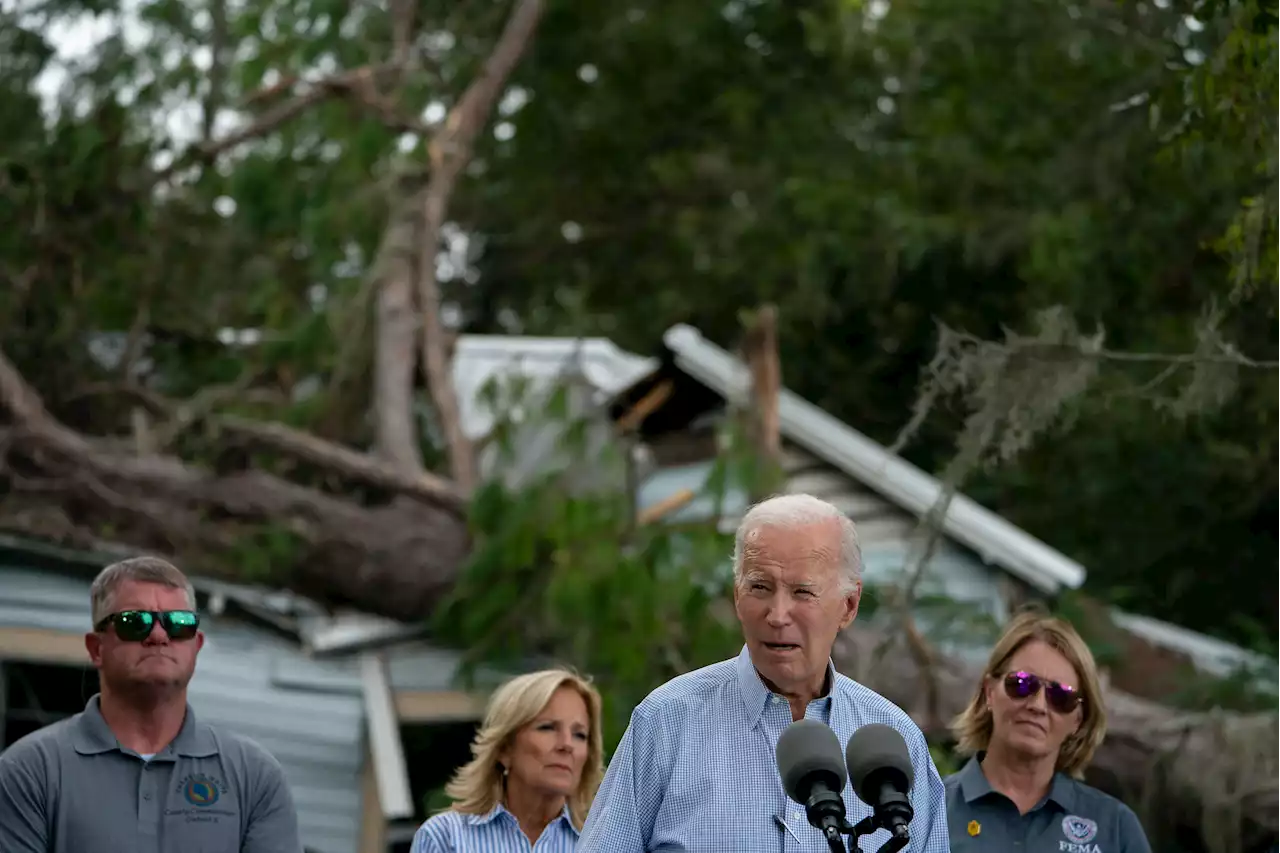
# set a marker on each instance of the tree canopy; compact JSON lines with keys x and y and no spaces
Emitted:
{"x":203,"y":192}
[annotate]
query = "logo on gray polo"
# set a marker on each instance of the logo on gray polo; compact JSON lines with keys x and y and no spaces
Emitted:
{"x":1079,"y":830}
{"x":201,"y":790}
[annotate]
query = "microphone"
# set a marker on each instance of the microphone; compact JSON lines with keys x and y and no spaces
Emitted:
{"x":880,"y":769}
{"x":812,"y":774}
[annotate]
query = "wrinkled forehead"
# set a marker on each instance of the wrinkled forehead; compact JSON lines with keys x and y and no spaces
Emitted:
{"x":812,"y":548}
{"x":145,"y":595}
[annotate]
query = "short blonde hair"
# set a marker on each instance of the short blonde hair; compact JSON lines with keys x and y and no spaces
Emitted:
{"x":973,"y":727}
{"x":478,"y":785}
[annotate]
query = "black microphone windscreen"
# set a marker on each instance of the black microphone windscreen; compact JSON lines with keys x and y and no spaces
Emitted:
{"x":805,"y":748}
{"x":877,"y":747}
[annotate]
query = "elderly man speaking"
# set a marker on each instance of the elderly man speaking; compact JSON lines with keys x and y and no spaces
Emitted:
{"x":696,"y":771}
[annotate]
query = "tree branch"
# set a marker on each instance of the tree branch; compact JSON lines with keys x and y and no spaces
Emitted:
{"x":450,"y":151}
{"x":1086,"y":348}
{"x":355,"y":83}
{"x":29,"y":412}
{"x":394,"y":357}
{"x":396,"y":559}
{"x":335,"y":457}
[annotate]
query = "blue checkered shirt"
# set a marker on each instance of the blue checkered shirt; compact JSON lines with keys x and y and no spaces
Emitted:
{"x":696,"y":771}
{"x":497,"y":831}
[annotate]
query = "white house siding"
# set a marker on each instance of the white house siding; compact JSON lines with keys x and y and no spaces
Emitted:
{"x":526,"y":372}
{"x":316,"y":734}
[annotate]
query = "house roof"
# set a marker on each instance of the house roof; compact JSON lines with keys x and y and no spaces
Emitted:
{"x":315,"y":629}
{"x":540,"y":361}
{"x":1210,"y":655}
{"x":870,"y":463}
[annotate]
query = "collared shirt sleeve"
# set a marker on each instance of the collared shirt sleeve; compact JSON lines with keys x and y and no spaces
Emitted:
{"x":272,"y":826}
{"x":624,"y":810}
{"x":23,"y":818}
{"x":928,"y":801}
{"x":1133,"y":839}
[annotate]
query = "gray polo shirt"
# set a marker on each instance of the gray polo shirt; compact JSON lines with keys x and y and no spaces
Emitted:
{"x":71,"y":788}
{"x":1073,"y":818}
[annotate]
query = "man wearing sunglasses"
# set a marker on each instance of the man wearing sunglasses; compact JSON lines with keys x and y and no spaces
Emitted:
{"x":136,"y":770}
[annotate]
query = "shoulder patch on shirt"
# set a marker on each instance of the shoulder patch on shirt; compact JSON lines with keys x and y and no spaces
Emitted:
{"x":1079,"y":830}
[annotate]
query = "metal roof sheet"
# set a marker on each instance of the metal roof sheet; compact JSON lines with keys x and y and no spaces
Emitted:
{"x":989,"y":535}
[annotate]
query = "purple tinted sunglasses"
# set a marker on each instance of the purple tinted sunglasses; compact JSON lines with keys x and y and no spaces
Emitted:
{"x":1023,"y":685}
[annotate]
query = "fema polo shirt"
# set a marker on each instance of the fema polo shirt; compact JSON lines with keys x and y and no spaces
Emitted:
{"x":71,"y":788}
{"x":1073,"y":818}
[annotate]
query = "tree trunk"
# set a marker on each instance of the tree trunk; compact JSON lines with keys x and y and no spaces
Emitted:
{"x":393,"y":555}
{"x":395,"y":351}
{"x":450,"y":151}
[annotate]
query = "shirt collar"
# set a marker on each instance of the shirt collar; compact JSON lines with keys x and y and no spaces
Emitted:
{"x":973,"y":782}
{"x":93,"y":736}
{"x":566,"y":817}
{"x":755,"y":695}
{"x":974,"y":785}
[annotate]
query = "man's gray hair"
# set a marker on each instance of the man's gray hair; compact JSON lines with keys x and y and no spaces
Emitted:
{"x":789,"y":512}
{"x":139,"y":569}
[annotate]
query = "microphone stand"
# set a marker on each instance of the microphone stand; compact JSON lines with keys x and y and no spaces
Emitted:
{"x":894,"y":814}
{"x":867,"y":826}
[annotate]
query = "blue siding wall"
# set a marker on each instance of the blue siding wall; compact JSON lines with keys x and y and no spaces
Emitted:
{"x":316,"y":733}
{"x":959,"y":605}
{"x":665,"y":482}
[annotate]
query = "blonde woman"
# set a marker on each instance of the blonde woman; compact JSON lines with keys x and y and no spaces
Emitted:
{"x":537,"y":763}
{"x":1032,"y":727}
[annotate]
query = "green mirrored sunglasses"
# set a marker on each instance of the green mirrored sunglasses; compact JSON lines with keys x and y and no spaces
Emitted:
{"x":134,"y":626}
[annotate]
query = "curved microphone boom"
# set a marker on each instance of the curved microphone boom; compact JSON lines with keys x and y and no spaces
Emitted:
{"x":880,"y":769}
{"x":813,"y":774}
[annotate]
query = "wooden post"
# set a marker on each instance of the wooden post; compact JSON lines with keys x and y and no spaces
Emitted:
{"x":760,"y":349}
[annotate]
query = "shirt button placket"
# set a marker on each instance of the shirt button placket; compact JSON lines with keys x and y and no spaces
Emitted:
{"x":149,"y":806}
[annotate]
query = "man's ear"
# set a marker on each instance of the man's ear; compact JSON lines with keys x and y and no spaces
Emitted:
{"x":851,"y":602}
{"x":93,"y":645}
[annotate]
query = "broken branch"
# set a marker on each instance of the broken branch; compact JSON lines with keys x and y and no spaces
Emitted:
{"x":396,"y":559}
{"x":450,"y":151}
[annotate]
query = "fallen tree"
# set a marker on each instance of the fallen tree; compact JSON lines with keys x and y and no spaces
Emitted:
{"x":390,"y":556}
{"x":253,"y":497}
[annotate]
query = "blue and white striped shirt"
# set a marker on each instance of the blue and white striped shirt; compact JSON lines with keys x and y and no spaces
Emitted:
{"x":497,"y":831}
{"x":696,"y":771}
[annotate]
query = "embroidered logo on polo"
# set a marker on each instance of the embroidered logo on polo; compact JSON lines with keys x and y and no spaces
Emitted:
{"x":1079,"y":832}
{"x":201,"y":790}
{"x":203,"y":800}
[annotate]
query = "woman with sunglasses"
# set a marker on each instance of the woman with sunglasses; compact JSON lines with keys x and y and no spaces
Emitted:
{"x":1032,"y":727}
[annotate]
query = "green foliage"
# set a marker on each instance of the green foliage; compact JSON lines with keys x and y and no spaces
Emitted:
{"x":1093,"y":624}
{"x":265,"y":553}
{"x":873,"y":169}
{"x":564,"y":574}
{"x":1242,"y":690}
{"x":945,"y":760}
